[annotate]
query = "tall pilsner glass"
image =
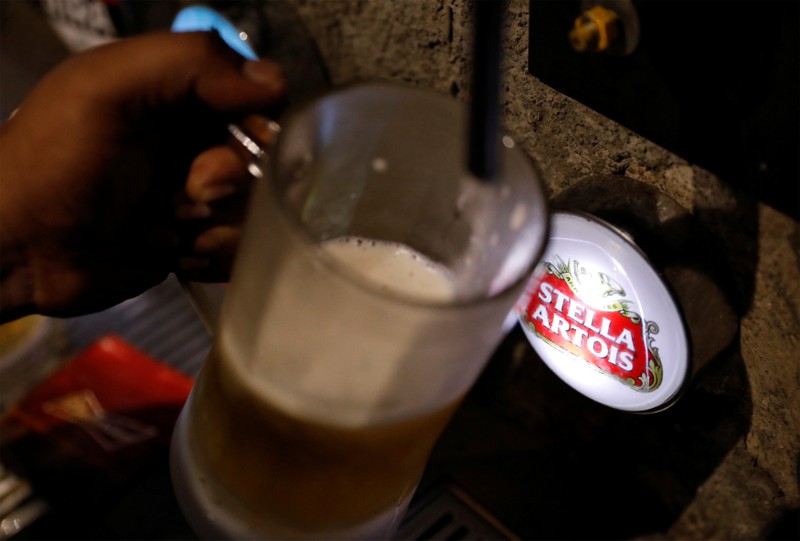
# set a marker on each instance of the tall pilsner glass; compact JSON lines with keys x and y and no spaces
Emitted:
{"x":372,"y":283}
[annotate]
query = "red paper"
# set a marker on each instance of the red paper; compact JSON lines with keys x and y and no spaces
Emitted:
{"x":106,"y":409}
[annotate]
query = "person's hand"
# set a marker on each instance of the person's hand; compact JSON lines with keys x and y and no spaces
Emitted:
{"x":114,"y":172}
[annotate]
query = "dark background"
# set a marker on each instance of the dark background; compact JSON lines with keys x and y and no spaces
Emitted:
{"x":714,"y":82}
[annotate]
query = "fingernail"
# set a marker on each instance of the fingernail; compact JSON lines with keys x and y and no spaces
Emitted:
{"x":215,"y":191}
{"x":266,"y":74}
{"x":192,"y":211}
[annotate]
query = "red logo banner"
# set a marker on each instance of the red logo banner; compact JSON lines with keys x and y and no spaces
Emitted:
{"x":611,"y":337}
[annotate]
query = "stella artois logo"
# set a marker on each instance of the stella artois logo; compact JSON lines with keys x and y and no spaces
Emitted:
{"x":585,"y":314}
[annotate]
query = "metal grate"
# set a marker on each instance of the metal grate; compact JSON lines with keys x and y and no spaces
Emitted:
{"x":161,"y":322}
{"x":448,"y":513}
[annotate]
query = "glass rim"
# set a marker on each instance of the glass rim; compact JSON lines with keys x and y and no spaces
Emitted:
{"x":346,"y":271}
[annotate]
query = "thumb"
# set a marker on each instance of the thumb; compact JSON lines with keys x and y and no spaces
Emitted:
{"x":239,"y":85}
{"x":164,"y":69}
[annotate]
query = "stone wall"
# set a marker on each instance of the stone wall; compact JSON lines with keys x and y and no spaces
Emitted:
{"x":427,"y":43}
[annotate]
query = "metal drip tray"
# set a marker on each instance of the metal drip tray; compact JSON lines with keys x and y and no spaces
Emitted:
{"x":447,"y":512}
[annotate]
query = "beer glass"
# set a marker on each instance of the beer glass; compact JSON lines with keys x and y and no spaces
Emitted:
{"x":372,"y":282}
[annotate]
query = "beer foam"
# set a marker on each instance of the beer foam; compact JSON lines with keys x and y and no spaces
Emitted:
{"x":328,"y":348}
{"x":394,"y":267}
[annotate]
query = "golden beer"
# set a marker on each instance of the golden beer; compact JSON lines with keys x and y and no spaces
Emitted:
{"x":294,"y":465}
{"x":302,"y":473}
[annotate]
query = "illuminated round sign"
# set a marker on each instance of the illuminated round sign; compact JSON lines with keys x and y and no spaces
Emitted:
{"x":600,"y":316}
